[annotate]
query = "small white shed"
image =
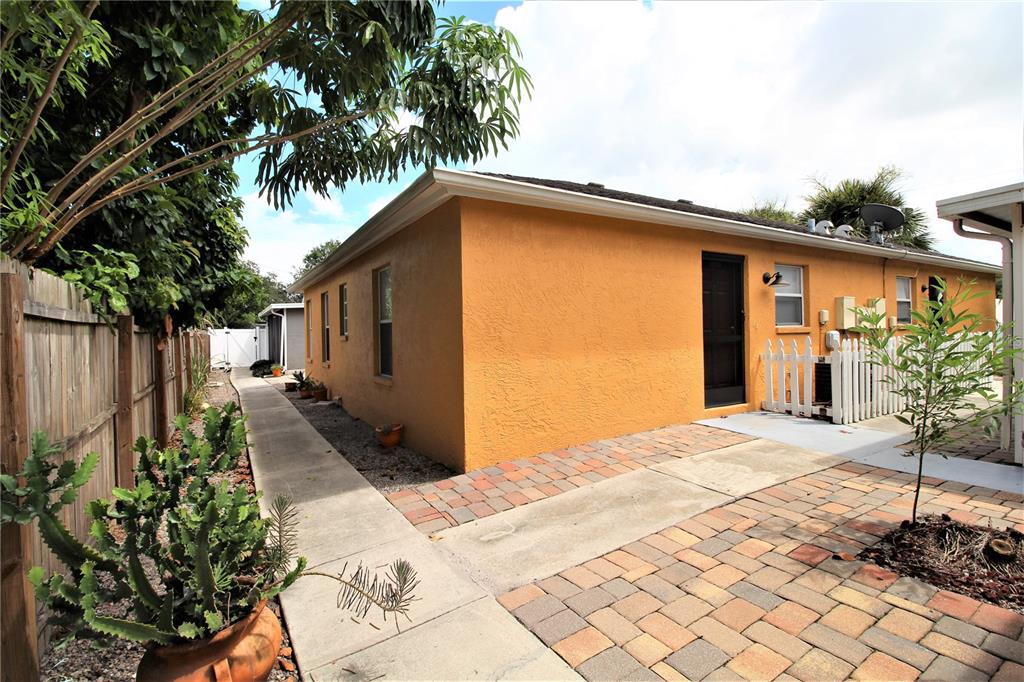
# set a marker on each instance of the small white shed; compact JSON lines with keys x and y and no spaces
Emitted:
{"x":285,"y":334}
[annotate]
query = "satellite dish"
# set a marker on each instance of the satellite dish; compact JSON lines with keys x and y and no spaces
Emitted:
{"x":881,"y":217}
{"x":823,"y":227}
{"x":844,"y":231}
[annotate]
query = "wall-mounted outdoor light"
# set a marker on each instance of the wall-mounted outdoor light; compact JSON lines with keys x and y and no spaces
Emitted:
{"x":774,"y":279}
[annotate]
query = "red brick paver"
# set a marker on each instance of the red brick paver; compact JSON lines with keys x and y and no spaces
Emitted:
{"x":468,"y":497}
{"x":759,"y":589}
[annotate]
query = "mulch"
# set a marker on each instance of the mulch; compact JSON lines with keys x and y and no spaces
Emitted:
{"x":957,"y":557}
{"x":117,"y":662}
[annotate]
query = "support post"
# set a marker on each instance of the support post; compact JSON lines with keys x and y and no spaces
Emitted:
{"x":20,"y":649}
{"x":179,"y":375}
{"x":124,"y":421}
{"x":189,"y":338}
{"x":160,"y":391}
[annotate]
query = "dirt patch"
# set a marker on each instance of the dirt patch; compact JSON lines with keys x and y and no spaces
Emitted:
{"x":386,"y":470}
{"x":80,"y":660}
{"x":957,"y":557}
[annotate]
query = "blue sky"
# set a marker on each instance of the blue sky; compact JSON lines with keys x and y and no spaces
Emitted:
{"x":730,"y":103}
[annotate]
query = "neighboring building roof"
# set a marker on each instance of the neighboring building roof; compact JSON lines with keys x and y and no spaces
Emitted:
{"x":991,"y":208}
{"x":435,"y":187}
{"x":279,"y":306}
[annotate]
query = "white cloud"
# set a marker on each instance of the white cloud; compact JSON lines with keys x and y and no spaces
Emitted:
{"x":329,"y":206}
{"x":726,"y":103}
{"x":376,"y":205}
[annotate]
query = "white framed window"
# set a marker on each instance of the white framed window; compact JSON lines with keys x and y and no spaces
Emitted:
{"x":382,"y":289}
{"x":325,"y":326}
{"x":343,"y":305}
{"x":904,"y":299}
{"x":789,"y":300}
{"x":309,"y":328}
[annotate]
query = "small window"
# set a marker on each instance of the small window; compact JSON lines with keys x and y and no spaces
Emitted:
{"x":383,"y":305}
{"x":904,"y":299}
{"x":343,"y":307}
{"x":789,"y":299}
{"x":309,"y":328}
{"x":325,"y":326}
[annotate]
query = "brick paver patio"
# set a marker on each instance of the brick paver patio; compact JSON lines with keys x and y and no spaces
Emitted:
{"x":764,"y":588}
{"x":461,"y":499}
{"x":974,"y":443}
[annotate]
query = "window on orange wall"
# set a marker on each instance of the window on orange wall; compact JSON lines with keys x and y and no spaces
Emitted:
{"x":309,"y":328}
{"x":343,"y":307}
{"x":382,"y":291}
{"x":325,"y":326}
{"x":904,"y":299}
{"x":789,"y":298}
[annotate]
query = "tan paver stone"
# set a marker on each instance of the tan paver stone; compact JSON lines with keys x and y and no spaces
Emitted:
{"x":604,"y":568}
{"x":666,"y":630}
{"x":724,"y":575}
{"x":848,"y":620}
{"x":953,"y":604}
{"x":777,"y":640}
{"x":835,"y":643}
{"x":681,"y":537}
{"x":995,"y":619}
{"x":712,"y":594}
{"x":945,"y":669}
{"x":859,"y":600}
{"x":905,"y":624}
{"x":791,"y":617}
{"x":662,"y":543}
{"x":769,"y":578}
{"x":1004,"y":647}
{"x":582,"y":577}
{"x":613,"y":625}
{"x":818,"y":665}
{"x":897,"y":647}
{"x":875,"y":576}
{"x":758,"y":662}
{"x":1009,"y":672}
{"x":964,"y":653}
{"x":807,"y":597}
{"x":722,"y":636}
{"x":907,"y":605}
{"x":637,"y":605}
{"x":520,"y":596}
{"x":579,"y":646}
{"x":558,"y":586}
{"x":696,"y":559}
{"x":752,"y":548}
{"x":687,"y":609}
{"x":738,"y":614}
{"x":817,"y":580}
{"x":668,"y":673}
{"x":698,"y":659}
{"x":647,"y":650}
{"x":879,"y":667}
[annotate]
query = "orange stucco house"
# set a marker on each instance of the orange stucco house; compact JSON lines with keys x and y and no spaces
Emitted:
{"x":498,"y":316}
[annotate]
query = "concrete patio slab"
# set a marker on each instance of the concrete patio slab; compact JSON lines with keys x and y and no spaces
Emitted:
{"x":742,"y":469}
{"x":508,"y":653}
{"x":538,"y":540}
{"x":1005,"y":477}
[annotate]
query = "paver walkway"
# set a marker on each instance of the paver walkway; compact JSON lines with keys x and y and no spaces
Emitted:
{"x":465,"y":498}
{"x":973,"y":443}
{"x":756,"y":589}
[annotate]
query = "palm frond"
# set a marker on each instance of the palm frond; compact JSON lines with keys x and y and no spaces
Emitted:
{"x":282,"y":535}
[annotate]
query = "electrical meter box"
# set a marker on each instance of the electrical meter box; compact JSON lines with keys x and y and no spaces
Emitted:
{"x":845,"y":317}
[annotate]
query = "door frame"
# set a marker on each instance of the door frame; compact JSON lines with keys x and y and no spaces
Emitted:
{"x":741,"y":297}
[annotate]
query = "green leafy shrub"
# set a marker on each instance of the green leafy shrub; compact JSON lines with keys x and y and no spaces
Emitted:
{"x":261,"y":368}
{"x":199,"y":375}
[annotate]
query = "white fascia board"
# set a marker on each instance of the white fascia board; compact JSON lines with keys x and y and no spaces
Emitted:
{"x":278,"y":306}
{"x":980,"y":201}
{"x":434,"y":187}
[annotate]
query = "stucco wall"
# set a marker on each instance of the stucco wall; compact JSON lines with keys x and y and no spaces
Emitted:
{"x":296,"y":339}
{"x":579,"y":327}
{"x":425,"y":392}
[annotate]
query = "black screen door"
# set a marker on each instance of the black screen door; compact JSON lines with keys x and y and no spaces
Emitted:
{"x":723,"y":330}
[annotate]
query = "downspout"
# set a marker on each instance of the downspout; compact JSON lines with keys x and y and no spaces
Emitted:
{"x":284,"y":336}
{"x":1007,"y":244}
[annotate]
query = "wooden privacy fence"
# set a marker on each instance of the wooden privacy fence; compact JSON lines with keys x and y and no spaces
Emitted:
{"x":91,"y":387}
{"x":857,"y":389}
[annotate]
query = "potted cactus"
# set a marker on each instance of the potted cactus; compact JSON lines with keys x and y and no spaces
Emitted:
{"x":194,"y":560}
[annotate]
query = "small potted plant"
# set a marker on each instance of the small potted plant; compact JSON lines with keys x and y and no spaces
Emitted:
{"x":299,"y":379}
{"x":389,"y":435}
{"x":277,"y":370}
{"x":305,"y":386}
{"x":318,"y":389}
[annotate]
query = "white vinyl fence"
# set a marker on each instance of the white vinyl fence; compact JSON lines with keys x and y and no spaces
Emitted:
{"x":859,"y":389}
{"x":233,"y":347}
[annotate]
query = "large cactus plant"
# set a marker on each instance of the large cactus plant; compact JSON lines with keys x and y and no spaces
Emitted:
{"x":177,"y":558}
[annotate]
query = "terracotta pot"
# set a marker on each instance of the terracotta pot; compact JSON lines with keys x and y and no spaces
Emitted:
{"x":291,"y":386}
{"x":242,"y":652}
{"x":303,"y":393}
{"x":390,"y":439}
{"x":320,"y":394}
{"x":276,"y":371}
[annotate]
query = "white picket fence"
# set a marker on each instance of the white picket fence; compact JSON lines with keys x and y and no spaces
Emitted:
{"x":860,"y":389}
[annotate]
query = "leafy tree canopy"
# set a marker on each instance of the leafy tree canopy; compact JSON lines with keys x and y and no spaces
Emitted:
{"x":253,"y":292}
{"x":315,"y":256}
{"x":841,"y":203}
{"x":772,"y":209}
{"x":120,"y":122}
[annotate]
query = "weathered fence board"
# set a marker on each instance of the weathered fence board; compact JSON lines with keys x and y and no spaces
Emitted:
{"x":91,"y":387}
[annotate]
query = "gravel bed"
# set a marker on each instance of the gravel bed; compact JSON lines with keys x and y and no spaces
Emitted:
{"x":386,"y":470}
{"x":80,"y":660}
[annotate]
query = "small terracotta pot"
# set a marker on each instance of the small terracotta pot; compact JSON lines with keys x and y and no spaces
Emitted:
{"x":303,"y":393}
{"x":291,"y":386}
{"x":390,"y":439}
{"x":276,"y":371}
{"x":245,"y":651}
{"x":320,"y":394}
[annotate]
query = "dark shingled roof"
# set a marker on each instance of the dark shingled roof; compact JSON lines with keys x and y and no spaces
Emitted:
{"x":682,"y":206}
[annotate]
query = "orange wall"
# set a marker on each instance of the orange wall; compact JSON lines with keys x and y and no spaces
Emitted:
{"x":425,"y":392}
{"x":577,"y":327}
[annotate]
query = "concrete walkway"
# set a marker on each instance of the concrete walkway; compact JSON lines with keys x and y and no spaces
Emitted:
{"x":873,"y":443}
{"x":343,"y":521}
